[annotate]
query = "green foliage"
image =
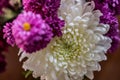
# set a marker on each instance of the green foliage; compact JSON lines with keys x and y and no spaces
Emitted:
{"x":28,"y":75}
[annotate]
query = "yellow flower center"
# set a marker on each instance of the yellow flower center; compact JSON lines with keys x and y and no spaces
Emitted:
{"x":26,"y":26}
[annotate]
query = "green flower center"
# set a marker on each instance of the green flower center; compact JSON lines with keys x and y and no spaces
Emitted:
{"x":66,"y":50}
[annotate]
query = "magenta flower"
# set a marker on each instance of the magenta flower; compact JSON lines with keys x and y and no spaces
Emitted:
{"x":31,"y":33}
{"x":8,"y":34}
{"x":48,"y":9}
{"x":114,"y":6}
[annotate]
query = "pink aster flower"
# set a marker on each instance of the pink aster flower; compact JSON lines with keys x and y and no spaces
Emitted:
{"x":48,"y":9}
{"x":30,"y":31}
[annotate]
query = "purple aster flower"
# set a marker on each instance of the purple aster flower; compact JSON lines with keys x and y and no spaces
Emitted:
{"x":56,"y":24}
{"x":8,"y":34}
{"x":48,"y":9}
{"x":3,"y":4}
{"x":31,"y":33}
{"x":112,"y":5}
{"x":44,"y":7}
{"x":109,"y":18}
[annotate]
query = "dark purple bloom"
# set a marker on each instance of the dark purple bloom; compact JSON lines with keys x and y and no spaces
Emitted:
{"x":48,"y":9}
{"x":44,"y":7}
{"x":56,"y":24}
{"x":8,"y":34}
{"x":113,"y":3}
{"x":106,"y":7}
{"x":31,"y":33}
{"x":112,"y":6}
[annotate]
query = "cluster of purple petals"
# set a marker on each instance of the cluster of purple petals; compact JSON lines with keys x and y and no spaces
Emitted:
{"x":109,"y":10}
{"x":56,"y":24}
{"x":3,"y":47}
{"x":44,"y":7}
{"x":48,"y":9}
{"x":8,"y":34}
{"x":3,"y":4}
{"x":37,"y":37}
{"x":114,"y":6}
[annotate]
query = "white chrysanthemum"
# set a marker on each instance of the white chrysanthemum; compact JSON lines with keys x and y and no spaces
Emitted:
{"x":76,"y":54}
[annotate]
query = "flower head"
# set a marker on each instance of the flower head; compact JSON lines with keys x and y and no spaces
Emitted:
{"x":44,"y":7}
{"x":114,"y":6}
{"x":30,"y":31}
{"x":8,"y":34}
{"x":111,"y":6}
{"x":48,"y":9}
{"x":56,"y":24}
{"x":77,"y":52}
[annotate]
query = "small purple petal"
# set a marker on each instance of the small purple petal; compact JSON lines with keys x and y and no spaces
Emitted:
{"x":8,"y":34}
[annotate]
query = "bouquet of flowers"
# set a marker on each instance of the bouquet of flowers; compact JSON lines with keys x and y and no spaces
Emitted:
{"x":63,"y":39}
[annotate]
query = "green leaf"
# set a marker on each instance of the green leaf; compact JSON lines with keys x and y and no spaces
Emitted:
{"x":28,"y":73}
